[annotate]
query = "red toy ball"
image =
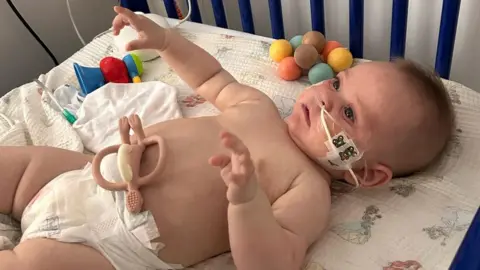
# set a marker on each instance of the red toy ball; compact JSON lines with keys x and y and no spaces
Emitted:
{"x":289,"y":70}
{"x":114,"y":70}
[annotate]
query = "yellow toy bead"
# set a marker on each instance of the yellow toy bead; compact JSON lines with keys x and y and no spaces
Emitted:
{"x":136,"y":79}
{"x":340,"y":59}
{"x":280,"y":49}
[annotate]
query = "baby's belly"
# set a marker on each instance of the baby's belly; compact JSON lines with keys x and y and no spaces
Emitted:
{"x":191,"y":216}
{"x":188,"y":202}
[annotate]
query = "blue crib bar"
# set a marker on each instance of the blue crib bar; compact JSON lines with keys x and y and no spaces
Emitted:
{"x":171,"y":9}
{"x":399,"y":28}
{"x":446,"y":37}
{"x":317,"y":10}
{"x":356,"y":28}
{"x":467,"y":255}
{"x":276,"y":18}
{"x":219,"y":13}
{"x":246,"y":16}
{"x":141,"y":6}
{"x":195,"y":15}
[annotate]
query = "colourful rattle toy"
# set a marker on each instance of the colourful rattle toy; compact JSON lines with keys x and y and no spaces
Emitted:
{"x":128,"y":162}
{"x":310,"y":53}
{"x":111,"y":69}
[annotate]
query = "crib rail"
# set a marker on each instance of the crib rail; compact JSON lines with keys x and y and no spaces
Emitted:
{"x":445,"y":45}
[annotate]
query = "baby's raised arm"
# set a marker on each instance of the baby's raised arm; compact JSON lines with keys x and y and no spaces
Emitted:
{"x":200,"y":70}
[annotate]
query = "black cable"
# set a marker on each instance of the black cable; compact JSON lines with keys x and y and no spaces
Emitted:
{"x":20,"y":17}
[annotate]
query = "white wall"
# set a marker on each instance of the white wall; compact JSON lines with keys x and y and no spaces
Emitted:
{"x":422,"y":31}
{"x":50,"y":20}
{"x":18,"y":65}
{"x":23,"y":58}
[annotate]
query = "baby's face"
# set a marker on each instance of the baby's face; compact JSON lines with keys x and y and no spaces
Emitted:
{"x":365,"y":102}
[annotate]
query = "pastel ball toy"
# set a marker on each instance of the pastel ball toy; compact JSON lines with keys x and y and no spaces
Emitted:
{"x":316,"y":39}
{"x":296,"y":41}
{"x":329,"y":46}
{"x":320,"y":72}
{"x":280,"y":49}
{"x":288,"y":69}
{"x":306,"y":56}
{"x":340,"y":59}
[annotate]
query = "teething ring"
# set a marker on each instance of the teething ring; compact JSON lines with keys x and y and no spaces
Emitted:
{"x":128,"y":162}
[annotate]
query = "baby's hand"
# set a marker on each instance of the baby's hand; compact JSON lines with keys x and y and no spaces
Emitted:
{"x":150,"y":34}
{"x":237,"y":170}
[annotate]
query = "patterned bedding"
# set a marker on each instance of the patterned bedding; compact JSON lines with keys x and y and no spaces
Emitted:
{"x":413,"y":223}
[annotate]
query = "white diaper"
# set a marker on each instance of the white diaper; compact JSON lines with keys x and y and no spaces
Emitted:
{"x":73,"y":208}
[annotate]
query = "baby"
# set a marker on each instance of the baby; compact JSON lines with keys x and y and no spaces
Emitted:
{"x":260,"y":189}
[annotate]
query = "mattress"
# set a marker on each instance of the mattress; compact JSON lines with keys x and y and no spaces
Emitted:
{"x":413,"y":223}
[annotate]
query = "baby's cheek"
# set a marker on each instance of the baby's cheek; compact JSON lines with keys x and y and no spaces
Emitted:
{"x":316,"y":144}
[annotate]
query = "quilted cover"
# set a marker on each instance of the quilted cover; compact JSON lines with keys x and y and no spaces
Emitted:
{"x":413,"y":223}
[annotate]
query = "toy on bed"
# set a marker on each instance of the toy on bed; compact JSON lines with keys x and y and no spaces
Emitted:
{"x":128,"y":162}
{"x":111,"y":69}
{"x":310,"y":52}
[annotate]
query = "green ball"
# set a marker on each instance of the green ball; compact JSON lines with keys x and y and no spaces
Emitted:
{"x":320,"y":72}
{"x":296,"y":41}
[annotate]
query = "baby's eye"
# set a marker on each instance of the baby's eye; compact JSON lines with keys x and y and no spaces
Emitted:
{"x":336,"y":83}
{"x":348,"y":111}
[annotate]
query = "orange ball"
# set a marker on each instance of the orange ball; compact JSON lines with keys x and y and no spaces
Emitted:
{"x":288,"y":69}
{"x":329,"y":46}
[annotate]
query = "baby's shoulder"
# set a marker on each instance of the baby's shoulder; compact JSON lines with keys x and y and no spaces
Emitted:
{"x":310,"y":183}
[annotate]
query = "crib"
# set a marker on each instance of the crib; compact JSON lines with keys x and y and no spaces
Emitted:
{"x":429,"y":221}
{"x":465,"y":257}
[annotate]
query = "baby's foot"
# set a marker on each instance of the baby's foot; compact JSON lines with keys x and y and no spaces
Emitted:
{"x":124,"y":127}
{"x":136,"y":125}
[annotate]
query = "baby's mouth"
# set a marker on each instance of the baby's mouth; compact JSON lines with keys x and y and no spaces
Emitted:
{"x":306,"y":113}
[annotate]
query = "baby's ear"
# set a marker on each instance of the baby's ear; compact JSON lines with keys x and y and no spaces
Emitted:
{"x":371,"y":176}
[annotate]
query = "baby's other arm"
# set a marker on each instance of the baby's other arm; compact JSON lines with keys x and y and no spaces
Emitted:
{"x":200,"y":70}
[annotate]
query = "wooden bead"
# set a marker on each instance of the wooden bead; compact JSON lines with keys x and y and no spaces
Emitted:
{"x":316,"y":39}
{"x":306,"y":56}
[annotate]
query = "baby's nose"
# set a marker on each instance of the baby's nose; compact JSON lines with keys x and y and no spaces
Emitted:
{"x":324,"y":96}
{"x":324,"y":102}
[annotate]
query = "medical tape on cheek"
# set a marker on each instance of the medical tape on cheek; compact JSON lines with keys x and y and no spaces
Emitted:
{"x":339,"y":144}
{"x":342,"y":151}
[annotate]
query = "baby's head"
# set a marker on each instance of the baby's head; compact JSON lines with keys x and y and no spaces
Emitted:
{"x":398,"y":115}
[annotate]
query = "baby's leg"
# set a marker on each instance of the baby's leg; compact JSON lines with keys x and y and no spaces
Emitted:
{"x":25,"y":170}
{"x":48,"y":254}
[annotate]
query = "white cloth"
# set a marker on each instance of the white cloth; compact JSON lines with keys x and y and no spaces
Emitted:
{"x":35,"y":121}
{"x":68,"y":98}
{"x":72,"y":208}
{"x":97,"y":123}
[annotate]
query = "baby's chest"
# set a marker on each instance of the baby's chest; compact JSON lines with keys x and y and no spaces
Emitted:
{"x":275,"y":173}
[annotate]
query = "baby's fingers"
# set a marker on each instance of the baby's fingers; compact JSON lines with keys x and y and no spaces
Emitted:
{"x":233,"y":143}
{"x":118,"y":23}
{"x":219,"y":161}
{"x":125,"y":17}
{"x":130,"y":15}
